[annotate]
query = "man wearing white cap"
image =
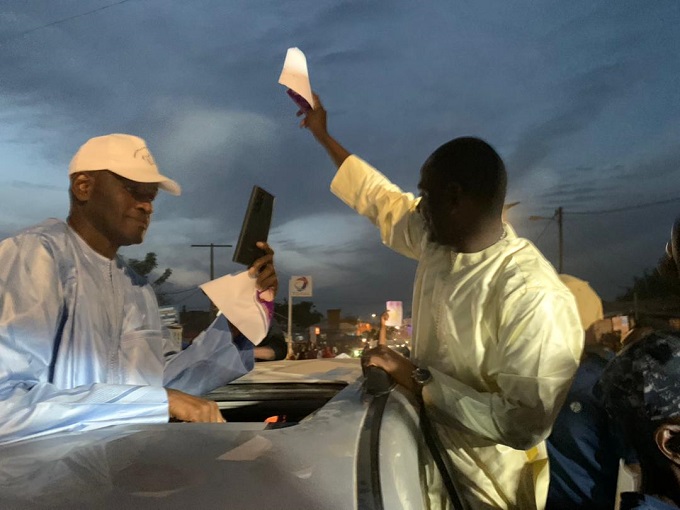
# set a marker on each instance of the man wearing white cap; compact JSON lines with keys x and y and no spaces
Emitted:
{"x":81,"y":340}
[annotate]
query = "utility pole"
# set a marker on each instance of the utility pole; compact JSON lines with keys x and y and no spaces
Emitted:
{"x":559,"y":213}
{"x":212,"y":246}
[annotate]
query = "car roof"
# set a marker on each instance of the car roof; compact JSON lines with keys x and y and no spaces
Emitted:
{"x":308,"y":371}
{"x":196,"y":465}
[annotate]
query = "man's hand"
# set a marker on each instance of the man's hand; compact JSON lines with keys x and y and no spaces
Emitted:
{"x":185,"y":407}
{"x":382,"y":334}
{"x":264,"y":353}
{"x":263,"y":268}
{"x":315,"y":121}
{"x":399,"y":367}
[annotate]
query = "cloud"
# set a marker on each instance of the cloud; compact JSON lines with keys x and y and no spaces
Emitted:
{"x":662,"y":165}
{"x":180,"y":231}
{"x":183,"y":278}
{"x":21,"y":210}
{"x":205,"y":143}
{"x":23,"y":185}
{"x":584,"y":98}
{"x":580,"y":99}
{"x":325,"y":243}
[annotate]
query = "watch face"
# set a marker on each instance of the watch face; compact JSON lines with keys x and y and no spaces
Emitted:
{"x":421,"y":375}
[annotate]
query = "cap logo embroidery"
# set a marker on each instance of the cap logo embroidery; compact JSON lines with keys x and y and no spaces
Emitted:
{"x":145,"y":155}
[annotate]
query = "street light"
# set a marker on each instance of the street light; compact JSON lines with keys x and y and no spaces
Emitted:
{"x":558,"y":216}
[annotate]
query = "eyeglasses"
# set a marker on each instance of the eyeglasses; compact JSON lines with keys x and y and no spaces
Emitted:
{"x":140,"y":191}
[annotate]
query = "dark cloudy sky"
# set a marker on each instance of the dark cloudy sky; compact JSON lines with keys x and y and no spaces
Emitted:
{"x":580,"y":98}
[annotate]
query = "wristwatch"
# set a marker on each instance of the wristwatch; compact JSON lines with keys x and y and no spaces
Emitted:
{"x":421,"y":376}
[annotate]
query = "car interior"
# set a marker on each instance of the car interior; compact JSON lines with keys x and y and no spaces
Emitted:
{"x":276,"y":404}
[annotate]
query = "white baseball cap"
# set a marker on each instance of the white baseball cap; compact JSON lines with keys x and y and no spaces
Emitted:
{"x":124,"y":155}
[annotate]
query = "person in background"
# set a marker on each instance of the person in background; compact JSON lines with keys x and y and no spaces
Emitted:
{"x":382,"y":336}
{"x":641,"y":391}
{"x":669,"y":264}
{"x":496,"y":335}
{"x":81,"y":341}
{"x":585,"y":445}
{"x":382,"y":333}
{"x":312,"y":352}
{"x":272,"y":347}
{"x":302,"y":353}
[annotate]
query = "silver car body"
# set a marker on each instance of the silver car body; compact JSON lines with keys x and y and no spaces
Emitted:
{"x":329,"y":460}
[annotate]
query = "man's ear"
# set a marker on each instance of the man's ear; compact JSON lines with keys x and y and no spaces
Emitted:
{"x":667,"y":439}
{"x":82,"y":184}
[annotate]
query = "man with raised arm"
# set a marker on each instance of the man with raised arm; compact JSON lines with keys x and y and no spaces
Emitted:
{"x":81,"y":340}
{"x":496,"y":335}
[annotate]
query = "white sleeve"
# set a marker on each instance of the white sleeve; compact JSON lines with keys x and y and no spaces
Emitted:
{"x":540,"y":343}
{"x":212,"y":360}
{"x":31,"y":317}
{"x":372,"y":195}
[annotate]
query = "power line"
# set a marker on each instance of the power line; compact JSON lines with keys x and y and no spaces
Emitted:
{"x":63,"y":20}
{"x":187,"y":297}
{"x":173,"y":292}
{"x":544,"y":229}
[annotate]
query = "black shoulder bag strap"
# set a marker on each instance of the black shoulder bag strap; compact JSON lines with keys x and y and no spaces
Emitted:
{"x":436,"y":448}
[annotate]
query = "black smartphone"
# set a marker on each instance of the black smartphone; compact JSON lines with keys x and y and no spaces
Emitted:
{"x":255,"y":227}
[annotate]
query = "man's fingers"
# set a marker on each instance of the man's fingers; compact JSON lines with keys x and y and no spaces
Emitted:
{"x":217,"y":415}
{"x":263,"y":268}
{"x":185,"y":407}
{"x":314,"y":115}
{"x":260,"y":263}
{"x":267,"y":278}
{"x":263,"y":261}
{"x":264,"y":246}
{"x":269,"y":282}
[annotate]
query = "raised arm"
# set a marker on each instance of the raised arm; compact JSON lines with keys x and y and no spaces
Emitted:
{"x":382,"y":334}
{"x":315,"y":121}
{"x":368,"y":192}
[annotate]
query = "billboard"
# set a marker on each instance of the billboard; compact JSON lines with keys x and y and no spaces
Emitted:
{"x":396,"y":313}
{"x":300,"y":286}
